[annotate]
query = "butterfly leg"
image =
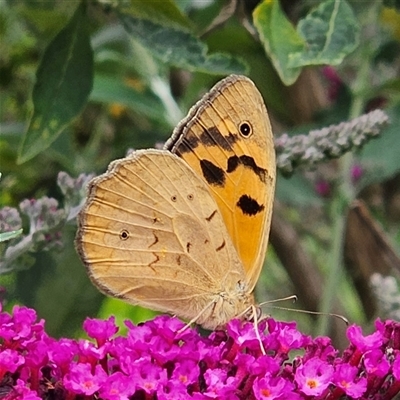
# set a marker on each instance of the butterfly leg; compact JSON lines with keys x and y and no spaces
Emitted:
{"x":193,"y":320}
{"x":255,"y":322}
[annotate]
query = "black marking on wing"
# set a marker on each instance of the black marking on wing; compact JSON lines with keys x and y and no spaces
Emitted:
{"x":191,"y":141}
{"x":187,"y":145}
{"x":211,"y":216}
{"x":213,"y":137}
{"x":124,"y":234}
{"x":248,"y":162}
{"x":210,"y":137}
{"x":249,"y":206}
{"x":219,"y":248}
{"x":213,"y":174}
{"x":155,"y":240}
{"x":154,"y":262}
{"x":188,"y":246}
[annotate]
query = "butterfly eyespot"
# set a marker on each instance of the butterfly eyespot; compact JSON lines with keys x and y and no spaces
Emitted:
{"x":174,"y":198}
{"x":190,"y":196}
{"x":245,"y":129}
{"x":124,"y":234}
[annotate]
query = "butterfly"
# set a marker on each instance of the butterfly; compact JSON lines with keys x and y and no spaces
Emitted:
{"x":184,"y":230}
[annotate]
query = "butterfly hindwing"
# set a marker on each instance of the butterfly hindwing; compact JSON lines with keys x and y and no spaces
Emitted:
{"x":152,"y":234}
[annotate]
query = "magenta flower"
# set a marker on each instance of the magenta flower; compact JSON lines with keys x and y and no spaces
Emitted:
{"x":117,"y":387}
{"x":244,"y":335}
{"x":396,"y":367}
{"x":346,"y":378}
{"x":155,"y":361}
{"x":80,"y":379}
{"x":270,"y":388}
{"x":216,"y":380}
{"x":148,"y":376}
{"x":21,"y":326}
{"x":61,"y":353}
{"x":263,"y":365}
{"x":10,"y":360}
{"x":186,"y":372}
{"x":100,"y":330}
{"x":375,"y":363}
{"x":314,"y":376}
{"x":364,"y":343}
{"x":22,"y":391}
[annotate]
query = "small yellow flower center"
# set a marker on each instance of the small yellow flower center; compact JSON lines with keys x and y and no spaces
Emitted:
{"x":265,"y":392}
{"x":312,"y":383}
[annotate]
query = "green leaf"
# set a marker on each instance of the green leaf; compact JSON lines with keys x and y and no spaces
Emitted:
{"x":325,"y":36}
{"x":63,"y":83}
{"x":179,"y":47}
{"x":4,"y":236}
{"x":164,"y":12}
{"x":279,"y":38}
{"x":111,"y":89}
{"x":331,"y":32}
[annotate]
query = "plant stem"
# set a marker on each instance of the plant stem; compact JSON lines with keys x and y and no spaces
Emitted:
{"x":343,"y":198}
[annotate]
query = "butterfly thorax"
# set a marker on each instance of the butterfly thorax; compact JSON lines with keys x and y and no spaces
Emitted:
{"x":227,"y":304}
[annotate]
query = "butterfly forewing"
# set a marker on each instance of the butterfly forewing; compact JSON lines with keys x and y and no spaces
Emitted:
{"x":227,"y":139}
{"x":151,"y":233}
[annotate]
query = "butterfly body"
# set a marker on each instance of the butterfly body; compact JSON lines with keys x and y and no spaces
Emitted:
{"x":186,"y":233}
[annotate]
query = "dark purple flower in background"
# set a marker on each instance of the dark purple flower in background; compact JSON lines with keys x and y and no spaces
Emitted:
{"x":356,"y":173}
{"x":323,"y":188}
{"x":334,"y":80}
{"x":156,"y":360}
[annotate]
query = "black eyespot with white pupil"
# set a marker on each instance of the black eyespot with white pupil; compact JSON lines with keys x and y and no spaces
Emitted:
{"x":245,"y":129}
{"x":124,"y":234}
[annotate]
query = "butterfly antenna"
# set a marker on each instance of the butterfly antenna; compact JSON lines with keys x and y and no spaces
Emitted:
{"x":344,"y":319}
{"x":292,"y":297}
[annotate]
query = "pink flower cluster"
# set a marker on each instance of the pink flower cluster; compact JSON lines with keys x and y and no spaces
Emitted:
{"x":155,"y":361}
